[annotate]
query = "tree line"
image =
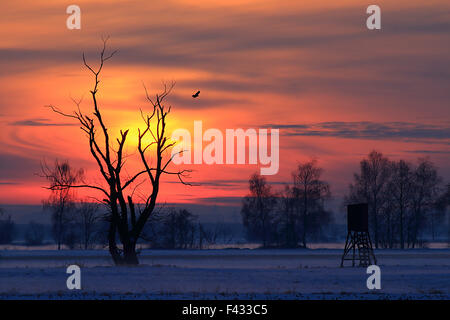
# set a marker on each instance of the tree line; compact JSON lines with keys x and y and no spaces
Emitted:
{"x":290,"y":217}
{"x":404,"y":199}
{"x":82,"y":224}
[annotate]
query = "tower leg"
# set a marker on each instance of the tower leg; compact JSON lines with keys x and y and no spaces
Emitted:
{"x":345,"y":251}
{"x":359,"y":241}
{"x":354,"y":249}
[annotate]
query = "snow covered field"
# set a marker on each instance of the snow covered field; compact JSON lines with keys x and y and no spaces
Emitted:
{"x":224,"y":274}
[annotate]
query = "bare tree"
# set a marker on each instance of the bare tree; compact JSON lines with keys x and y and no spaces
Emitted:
{"x":124,"y":219}
{"x":87,"y":216}
{"x":400,"y":189}
{"x":61,"y":178}
{"x":7,"y":229}
{"x":34,"y":234}
{"x":442,"y":204}
{"x":257,"y":211}
{"x":221,"y":233}
{"x":424,"y":197}
{"x":370,"y":186}
{"x":310,"y":192}
{"x":178,"y":229}
{"x":289,"y":219}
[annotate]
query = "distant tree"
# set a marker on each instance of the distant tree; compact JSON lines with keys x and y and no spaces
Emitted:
{"x":7,"y":229}
{"x":87,"y":217}
{"x":72,"y":235}
{"x":34,"y":234}
{"x":178,"y":229}
{"x":439,"y":211}
{"x":443,"y":201}
{"x":424,"y":197}
{"x":443,"y":204}
{"x":400,"y":188}
{"x":221,"y":233}
{"x":172,"y":228}
{"x":203,"y":236}
{"x":289,"y":220}
{"x":61,"y":200}
{"x":258,"y":214}
{"x":370,"y":185}
{"x":309,"y":193}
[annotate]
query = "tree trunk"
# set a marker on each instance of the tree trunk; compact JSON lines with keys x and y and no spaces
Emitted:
{"x":402,"y":242}
{"x":375,"y":225}
{"x":305,"y":212}
{"x":129,"y":254}
{"x":113,"y":250}
{"x":304,"y":230}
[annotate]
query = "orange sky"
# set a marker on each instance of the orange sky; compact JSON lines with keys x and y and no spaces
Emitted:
{"x":311,"y":68}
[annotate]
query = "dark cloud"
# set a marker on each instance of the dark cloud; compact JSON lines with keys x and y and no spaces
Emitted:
{"x":237,"y":183}
{"x":230,"y":201}
{"x":428,"y":151}
{"x":17,"y":60}
{"x":366,"y":130}
{"x":16,"y":167}
{"x":8,"y":183}
{"x":40,"y":122}
{"x":214,"y":183}
{"x":201,"y":102}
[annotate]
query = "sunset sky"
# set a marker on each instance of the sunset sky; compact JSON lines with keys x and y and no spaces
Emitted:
{"x":335,"y":89}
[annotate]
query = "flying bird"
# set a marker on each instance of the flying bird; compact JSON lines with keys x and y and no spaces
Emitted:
{"x":195,"y":95}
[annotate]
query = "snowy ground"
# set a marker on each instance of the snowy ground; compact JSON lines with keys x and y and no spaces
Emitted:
{"x":224,"y":274}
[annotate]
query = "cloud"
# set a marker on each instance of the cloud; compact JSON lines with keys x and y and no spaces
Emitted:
{"x":224,"y":183}
{"x":16,"y":167}
{"x":202,"y":102}
{"x":214,"y":183}
{"x":428,"y":151}
{"x":231,"y":201}
{"x":366,"y":130}
{"x":8,"y":183}
{"x":39,"y":122}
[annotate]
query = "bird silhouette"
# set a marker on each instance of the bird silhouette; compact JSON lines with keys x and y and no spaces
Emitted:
{"x":195,"y":95}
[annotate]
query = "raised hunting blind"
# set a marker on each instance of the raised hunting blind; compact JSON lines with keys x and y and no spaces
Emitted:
{"x":358,"y":238}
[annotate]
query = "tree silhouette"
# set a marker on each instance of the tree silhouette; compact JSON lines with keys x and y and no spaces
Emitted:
{"x":309,"y":193}
{"x":403,"y":199}
{"x":424,"y":196}
{"x":257,"y":210}
{"x":87,"y":218}
{"x":34,"y":234}
{"x":7,"y":229}
{"x":370,"y":186}
{"x":400,"y":189}
{"x":124,"y":218}
{"x":61,"y":178}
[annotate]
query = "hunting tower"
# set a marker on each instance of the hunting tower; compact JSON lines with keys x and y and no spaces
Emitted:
{"x":358,"y":238}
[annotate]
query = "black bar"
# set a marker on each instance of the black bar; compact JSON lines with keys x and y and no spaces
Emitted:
{"x":224,"y":309}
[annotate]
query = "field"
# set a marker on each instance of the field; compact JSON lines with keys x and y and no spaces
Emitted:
{"x":224,"y":274}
